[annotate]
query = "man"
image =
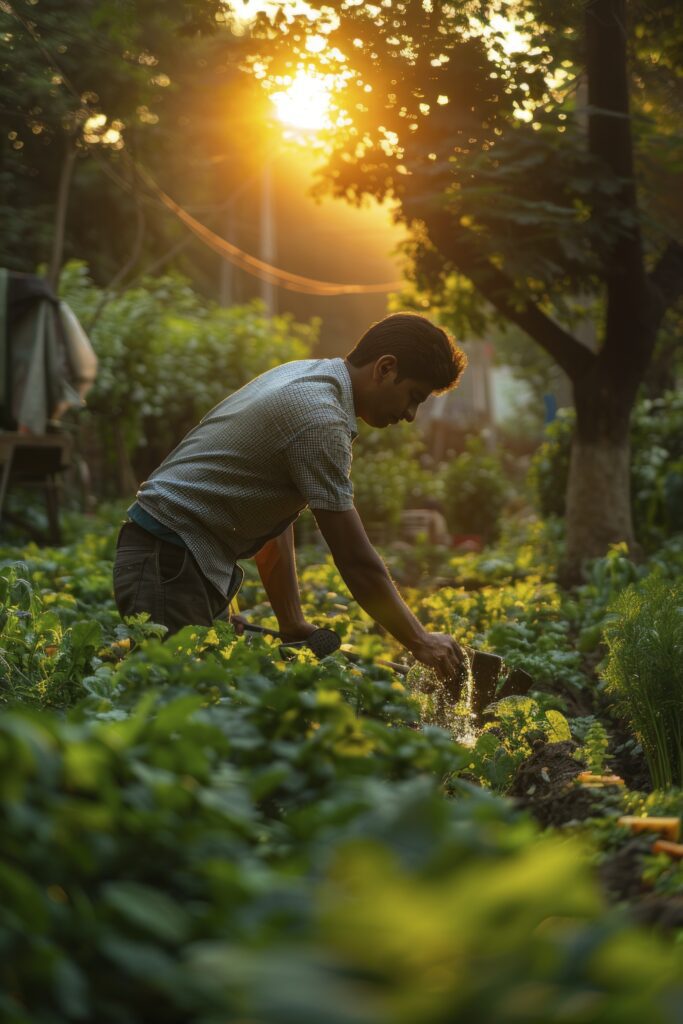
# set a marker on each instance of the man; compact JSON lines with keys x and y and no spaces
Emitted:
{"x":236,"y":483}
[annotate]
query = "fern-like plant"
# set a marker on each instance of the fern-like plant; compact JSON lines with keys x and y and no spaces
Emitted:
{"x":644,"y":672}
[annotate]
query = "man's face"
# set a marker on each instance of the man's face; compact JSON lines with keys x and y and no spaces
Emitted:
{"x":393,"y":400}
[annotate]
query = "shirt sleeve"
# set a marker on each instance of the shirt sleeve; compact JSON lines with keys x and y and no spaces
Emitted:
{"x":319,"y":463}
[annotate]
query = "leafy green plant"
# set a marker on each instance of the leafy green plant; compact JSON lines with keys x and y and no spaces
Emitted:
{"x":475,"y":492}
{"x":507,"y":740}
{"x":41,"y":661}
{"x":593,"y":753}
{"x":644,"y":672}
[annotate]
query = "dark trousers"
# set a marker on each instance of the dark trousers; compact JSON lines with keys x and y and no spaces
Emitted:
{"x":155,"y":576}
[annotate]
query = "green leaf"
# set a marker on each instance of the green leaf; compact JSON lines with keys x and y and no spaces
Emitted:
{"x":148,"y":909}
{"x":558,"y":730}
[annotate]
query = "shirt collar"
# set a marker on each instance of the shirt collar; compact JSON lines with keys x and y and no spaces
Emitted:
{"x":347,"y":397}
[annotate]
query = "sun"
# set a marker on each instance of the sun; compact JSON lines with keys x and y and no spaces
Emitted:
{"x":305,"y":103}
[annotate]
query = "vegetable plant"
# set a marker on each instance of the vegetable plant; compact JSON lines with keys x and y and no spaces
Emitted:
{"x":644,"y":672}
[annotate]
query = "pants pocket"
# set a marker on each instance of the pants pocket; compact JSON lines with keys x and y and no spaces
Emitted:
{"x":172,"y":562}
{"x":129,"y":574}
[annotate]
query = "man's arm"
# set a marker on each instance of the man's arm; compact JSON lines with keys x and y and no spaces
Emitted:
{"x":366,"y":576}
{"x":277,"y":567}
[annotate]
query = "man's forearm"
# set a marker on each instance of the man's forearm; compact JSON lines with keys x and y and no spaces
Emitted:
{"x":372,"y":587}
{"x":277,"y":567}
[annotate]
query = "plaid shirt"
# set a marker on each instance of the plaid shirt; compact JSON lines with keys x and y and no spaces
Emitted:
{"x":263,"y":454}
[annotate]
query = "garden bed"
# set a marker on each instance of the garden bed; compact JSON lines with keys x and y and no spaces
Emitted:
{"x":214,"y":821}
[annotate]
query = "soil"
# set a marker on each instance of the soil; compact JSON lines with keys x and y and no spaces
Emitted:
{"x":544,"y":785}
{"x":620,"y":873}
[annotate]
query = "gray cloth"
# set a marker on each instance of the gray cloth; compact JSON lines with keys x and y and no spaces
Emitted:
{"x":240,"y":477}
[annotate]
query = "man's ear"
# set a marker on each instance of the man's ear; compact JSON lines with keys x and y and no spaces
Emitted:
{"x":385,"y":366}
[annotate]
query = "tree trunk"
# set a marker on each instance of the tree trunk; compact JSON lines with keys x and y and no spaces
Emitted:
{"x":65,"y":177}
{"x":598,"y":504}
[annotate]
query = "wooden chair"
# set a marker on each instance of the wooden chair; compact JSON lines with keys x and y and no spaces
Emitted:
{"x":34,"y":461}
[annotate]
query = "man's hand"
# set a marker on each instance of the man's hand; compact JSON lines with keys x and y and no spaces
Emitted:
{"x":444,"y":655}
{"x":290,"y":632}
{"x":297,"y":631}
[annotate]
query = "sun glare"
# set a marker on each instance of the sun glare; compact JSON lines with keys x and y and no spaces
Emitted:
{"x":305,"y":103}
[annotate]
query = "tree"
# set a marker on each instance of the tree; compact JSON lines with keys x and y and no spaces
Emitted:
{"x":511,"y":157}
{"x":86,"y":85}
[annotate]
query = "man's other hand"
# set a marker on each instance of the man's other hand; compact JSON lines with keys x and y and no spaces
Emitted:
{"x":297,"y":631}
{"x":290,"y":633}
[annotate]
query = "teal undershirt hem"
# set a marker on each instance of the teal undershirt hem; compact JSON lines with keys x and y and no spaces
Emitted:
{"x":153,"y":526}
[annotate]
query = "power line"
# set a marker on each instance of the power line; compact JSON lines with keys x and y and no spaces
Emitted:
{"x":253,"y":265}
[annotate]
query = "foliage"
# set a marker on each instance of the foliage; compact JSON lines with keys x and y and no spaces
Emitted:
{"x":507,"y":739}
{"x":656,"y":468}
{"x":549,"y":470}
{"x":468,"y":117}
{"x":593,"y":753}
{"x":115,"y":80}
{"x":203,"y":831}
{"x":212,"y":833}
{"x":167,"y":884}
{"x":166,"y":356}
{"x":644,"y":637}
{"x":475,"y":491}
{"x":388,"y":475}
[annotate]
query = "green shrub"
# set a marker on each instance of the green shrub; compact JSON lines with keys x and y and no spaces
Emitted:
{"x":644,"y":672}
{"x":550,"y":465}
{"x":475,"y":492}
{"x":656,"y":467}
{"x":166,"y":356}
{"x":388,"y":476}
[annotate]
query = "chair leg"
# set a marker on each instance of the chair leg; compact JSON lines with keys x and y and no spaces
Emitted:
{"x":52,"y":506}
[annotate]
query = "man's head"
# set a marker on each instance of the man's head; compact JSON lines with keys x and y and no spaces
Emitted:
{"x":398,"y":363}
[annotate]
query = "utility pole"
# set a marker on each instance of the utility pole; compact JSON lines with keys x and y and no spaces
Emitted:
{"x":268,"y":235}
{"x":227,"y":282}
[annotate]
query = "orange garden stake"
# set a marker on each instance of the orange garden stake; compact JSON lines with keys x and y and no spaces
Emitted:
{"x":670,"y":828}
{"x":674,"y":850}
{"x":588,"y":779}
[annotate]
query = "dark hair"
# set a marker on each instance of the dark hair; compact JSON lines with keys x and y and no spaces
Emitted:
{"x":423,"y":351}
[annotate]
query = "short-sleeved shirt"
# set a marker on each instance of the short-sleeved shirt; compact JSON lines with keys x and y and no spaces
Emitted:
{"x":246,"y":471}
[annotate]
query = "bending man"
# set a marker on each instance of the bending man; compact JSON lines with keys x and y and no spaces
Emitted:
{"x":237,"y":481}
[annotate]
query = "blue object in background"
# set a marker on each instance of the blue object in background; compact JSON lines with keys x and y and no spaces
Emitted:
{"x":550,"y":409}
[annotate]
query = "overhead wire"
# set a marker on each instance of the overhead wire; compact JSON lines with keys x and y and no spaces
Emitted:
{"x":266,"y":272}
{"x":259,"y":268}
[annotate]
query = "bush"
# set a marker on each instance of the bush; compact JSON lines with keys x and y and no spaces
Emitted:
{"x":167,"y":356}
{"x":644,"y":672}
{"x":656,"y":467}
{"x":388,"y":475}
{"x":475,"y":491}
{"x":550,"y":465}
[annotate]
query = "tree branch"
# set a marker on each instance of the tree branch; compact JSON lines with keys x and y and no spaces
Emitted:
{"x":573,"y":357}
